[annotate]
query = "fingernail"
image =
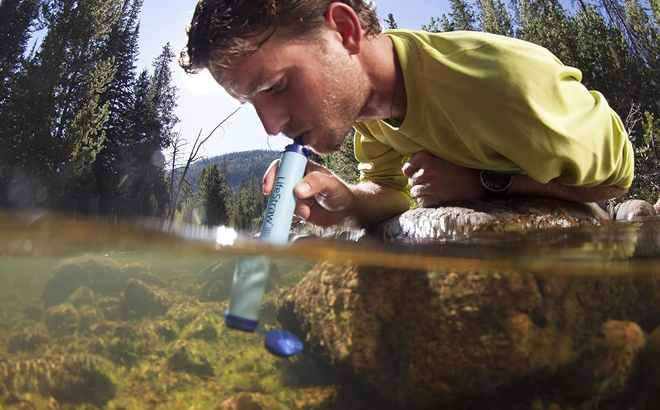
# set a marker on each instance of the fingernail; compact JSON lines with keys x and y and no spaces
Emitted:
{"x":303,"y":188}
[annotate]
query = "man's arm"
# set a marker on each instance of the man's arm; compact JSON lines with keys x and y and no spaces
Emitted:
{"x":436,"y":182}
{"x":325,"y":200}
{"x":524,"y":185}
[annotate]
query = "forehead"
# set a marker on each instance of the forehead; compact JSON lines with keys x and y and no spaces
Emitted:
{"x":244,"y":74}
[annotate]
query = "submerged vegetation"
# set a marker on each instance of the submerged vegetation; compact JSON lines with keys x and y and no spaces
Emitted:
{"x":97,"y":348}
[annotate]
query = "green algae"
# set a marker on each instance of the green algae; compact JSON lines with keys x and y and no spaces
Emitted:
{"x":85,"y":352}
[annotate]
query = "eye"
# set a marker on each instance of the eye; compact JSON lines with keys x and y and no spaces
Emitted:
{"x":277,"y":87}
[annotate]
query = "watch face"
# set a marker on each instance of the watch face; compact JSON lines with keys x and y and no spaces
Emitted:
{"x":496,"y":181}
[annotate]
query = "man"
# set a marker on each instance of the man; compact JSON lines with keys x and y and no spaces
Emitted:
{"x":433,"y":112}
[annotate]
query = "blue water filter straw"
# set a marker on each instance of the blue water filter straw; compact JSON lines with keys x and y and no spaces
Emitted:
{"x":251,"y":274}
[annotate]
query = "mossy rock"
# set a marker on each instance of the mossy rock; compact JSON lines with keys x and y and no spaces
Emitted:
{"x":101,"y":274}
{"x":27,"y":340}
{"x":61,"y":319}
{"x":165,"y":329}
{"x":82,"y":296}
{"x":142,"y":299}
{"x":184,"y":357}
{"x":81,"y":378}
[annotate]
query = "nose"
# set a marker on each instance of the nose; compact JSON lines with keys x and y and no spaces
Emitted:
{"x":273,"y":117}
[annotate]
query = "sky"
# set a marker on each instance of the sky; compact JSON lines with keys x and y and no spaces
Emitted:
{"x":203,"y":104}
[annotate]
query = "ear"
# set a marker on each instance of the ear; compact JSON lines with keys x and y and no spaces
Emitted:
{"x":343,"y":19}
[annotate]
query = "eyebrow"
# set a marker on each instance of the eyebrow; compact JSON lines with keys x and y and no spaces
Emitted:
{"x":261,"y":84}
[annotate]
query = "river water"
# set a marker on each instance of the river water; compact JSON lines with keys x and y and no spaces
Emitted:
{"x":71,"y":336}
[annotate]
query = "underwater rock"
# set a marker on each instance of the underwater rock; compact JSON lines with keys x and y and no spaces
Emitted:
{"x":605,"y":366}
{"x":449,"y":337}
{"x":82,"y":296}
{"x":27,"y":340}
{"x":634,"y":209}
{"x":251,"y":401}
{"x":184,"y":357}
{"x":142,"y":299}
{"x":650,"y":372}
{"x":100,"y":274}
{"x":81,"y":378}
{"x":513,"y":214}
{"x":242,"y":401}
{"x":218,"y":286}
{"x":61,"y":319}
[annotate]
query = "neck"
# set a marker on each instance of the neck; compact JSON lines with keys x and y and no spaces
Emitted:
{"x":387,"y":97}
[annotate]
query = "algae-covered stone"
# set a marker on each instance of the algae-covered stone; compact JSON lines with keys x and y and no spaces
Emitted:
{"x":442,"y":337}
{"x":61,"y":319}
{"x":252,"y":401}
{"x":143,"y":299}
{"x":605,"y":366}
{"x":184,"y":356}
{"x":80,"y":378}
{"x":82,"y":296}
{"x":101,"y":274}
{"x":27,"y":340}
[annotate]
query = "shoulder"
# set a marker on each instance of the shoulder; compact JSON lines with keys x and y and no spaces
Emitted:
{"x":454,"y":43}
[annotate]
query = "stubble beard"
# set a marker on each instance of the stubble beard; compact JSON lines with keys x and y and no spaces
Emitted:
{"x":344,"y":100}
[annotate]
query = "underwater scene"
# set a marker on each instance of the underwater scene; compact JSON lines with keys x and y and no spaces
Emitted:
{"x":107,"y":314}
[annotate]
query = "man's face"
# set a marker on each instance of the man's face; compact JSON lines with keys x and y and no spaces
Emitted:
{"x":311,"y":89}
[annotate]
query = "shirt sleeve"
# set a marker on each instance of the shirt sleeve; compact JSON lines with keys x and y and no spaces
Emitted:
{"x":560,"y":129}
{"x":379,"y":162}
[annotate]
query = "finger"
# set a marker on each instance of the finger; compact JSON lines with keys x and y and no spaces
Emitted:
{"x":414,"y":163}
{"x":314,"y":167}
{"x":418,"y":178}
{"x":269,"y":177}
{"x":327,"y":190}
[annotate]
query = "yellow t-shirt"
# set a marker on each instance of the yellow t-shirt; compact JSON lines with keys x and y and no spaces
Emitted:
{"x":491,"y":102}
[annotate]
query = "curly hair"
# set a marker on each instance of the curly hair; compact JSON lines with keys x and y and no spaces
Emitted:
{"x":222,"y":29}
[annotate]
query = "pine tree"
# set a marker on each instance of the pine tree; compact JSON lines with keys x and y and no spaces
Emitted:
{"x":122,"y":46}
{"x":17,"y":19}
{"x":391,"y":23}
{"x":213,"y":195}
{"x":495,"y":18}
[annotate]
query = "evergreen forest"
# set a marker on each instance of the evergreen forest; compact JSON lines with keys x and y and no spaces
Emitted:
{"x":81,"y":130}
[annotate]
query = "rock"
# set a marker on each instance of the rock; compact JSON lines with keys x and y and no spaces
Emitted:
{"x":81,"y":378}
{"x":634,"y":209}
{"x":61,"y":319}
{"x":514,"y":214}
{"x":650,"y":372}
{"x":605,"y":366}
{"x":451,"y":337}
{"x":184,"y":357}
{"x":142,"y":299}
{"x":27,"y":340}
{"x":657,"y":207}
{"x":242,"y":401}
{"x":82,"y":296}
{"x":251,"y":401}
{"x":101,"y":274}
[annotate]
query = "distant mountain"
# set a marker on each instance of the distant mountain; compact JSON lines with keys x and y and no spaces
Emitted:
{"x":239,"y":166}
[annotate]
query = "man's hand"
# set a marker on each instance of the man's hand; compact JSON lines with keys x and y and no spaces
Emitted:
{"x":434,"y":181}
{"x":322,"y":197}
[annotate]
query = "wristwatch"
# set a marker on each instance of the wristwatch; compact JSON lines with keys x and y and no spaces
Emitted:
{"x":496,"y":184}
